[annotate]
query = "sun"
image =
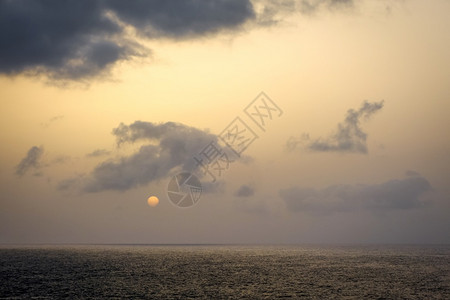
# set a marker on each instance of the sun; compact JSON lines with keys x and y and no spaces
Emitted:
{"x":152,"y":201}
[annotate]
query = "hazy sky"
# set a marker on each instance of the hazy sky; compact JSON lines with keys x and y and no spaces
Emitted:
{"x":103,"y":102}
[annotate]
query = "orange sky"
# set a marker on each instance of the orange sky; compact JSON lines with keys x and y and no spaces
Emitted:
{"x":314,"y":66}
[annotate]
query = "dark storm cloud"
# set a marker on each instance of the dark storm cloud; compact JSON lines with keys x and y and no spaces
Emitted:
{"x":81,"y":39}
{"x":30,"y":161}
{"x":78,"y":39}
{"x":182,"y":19}
{"x":244,"y":191}
{"x":349,"y":136}
{"x":170,"y":145}
{"x":68,"y":39}
{"x":391,"y":195}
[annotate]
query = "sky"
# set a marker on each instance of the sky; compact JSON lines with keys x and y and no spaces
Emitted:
{"x":301,"y":121}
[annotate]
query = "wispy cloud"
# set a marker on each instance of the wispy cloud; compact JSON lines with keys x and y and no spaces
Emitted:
{"x":98,"y":153}
{"x":271,"y":13}
{"x":51,"y":120}
{"x":30,"y":161}
{"x":349,"y":136}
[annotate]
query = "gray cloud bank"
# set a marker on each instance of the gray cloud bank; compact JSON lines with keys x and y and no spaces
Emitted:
{"x":349,"y":136}
{"x":30,"y":161}
{"x":398,"y":194}
{"x":168,"y":146}
{"x":81,"y":39}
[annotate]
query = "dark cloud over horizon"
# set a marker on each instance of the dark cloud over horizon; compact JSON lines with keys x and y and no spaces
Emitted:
{"x":30,"y":161}
{"x":349,"y":136}
{"x":397,"y":194}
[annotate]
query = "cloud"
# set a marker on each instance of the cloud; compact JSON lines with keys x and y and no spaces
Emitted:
{"x":60,"y":159}
{"x":69,"y":183}
{"x":98,"y":153}
{"x":182,"y":19}
{"x":209,"y":187}
{"x":70,"y":39}
{"x":244,"y":191}
{"x":349,"y":136}
{"x":78,"y":40}
{"x":140,"y":130}
{"x":170,"y":146}
{"x":82,"y":39}
{"x":30,"y":161}
{"x":313,"y":6}
{"x":271,"y":13}
{"x":397,"y":194}
{"x":51,"y":120}
{"x":329,"y":4}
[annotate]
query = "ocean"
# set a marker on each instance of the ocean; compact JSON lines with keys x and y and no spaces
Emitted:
{"x":224,"y":272}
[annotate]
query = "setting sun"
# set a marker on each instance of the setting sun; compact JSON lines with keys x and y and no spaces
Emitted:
{"x":153,"y":201}
{"x":308,"y":138}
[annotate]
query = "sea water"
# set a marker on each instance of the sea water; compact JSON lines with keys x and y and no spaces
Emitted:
{"x":224,"y":272}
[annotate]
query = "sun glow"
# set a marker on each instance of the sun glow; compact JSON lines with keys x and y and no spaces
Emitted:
{"x":153,"y":201}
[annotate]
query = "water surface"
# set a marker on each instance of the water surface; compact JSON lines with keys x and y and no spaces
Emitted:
{"x":310,"y":272}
